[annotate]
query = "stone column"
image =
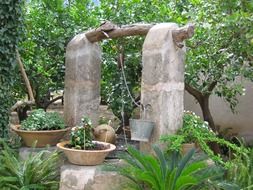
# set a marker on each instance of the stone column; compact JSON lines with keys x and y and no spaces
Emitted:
{"x":82,"y":81}
{"x":162,"y":82}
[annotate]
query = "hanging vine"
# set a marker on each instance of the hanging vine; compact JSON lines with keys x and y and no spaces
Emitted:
{"x":10,"y":32}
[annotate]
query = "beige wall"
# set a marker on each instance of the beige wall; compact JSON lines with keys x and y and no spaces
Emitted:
{"x":241,"y":122}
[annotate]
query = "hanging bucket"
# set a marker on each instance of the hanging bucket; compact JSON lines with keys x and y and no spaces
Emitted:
{"x":141,"y":129}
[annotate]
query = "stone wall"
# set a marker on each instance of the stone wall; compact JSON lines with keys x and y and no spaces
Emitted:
{"x":90,"y":178}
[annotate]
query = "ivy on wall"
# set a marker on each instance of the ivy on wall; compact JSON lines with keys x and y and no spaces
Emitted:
{"x":10,"y":32}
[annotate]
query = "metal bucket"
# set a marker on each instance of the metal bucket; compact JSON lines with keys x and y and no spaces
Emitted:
{"x":141,"y":129}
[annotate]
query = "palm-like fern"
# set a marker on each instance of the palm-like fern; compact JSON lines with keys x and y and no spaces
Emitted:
{"x":164,"y":173}
{"x":241,"y":170}
{"x":38,"y":171}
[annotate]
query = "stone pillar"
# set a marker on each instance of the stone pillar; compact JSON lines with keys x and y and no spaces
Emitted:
{"x":82,"y":81}
{"x":162,"y":82}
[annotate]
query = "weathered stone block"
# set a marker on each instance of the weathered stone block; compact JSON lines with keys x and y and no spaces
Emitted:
{"x":75,"y":177}
{"x":24,"y":152}
{"x":82,"y":81}
{"x":162,"y":82}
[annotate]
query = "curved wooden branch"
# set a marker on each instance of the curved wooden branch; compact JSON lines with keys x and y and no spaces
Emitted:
{"x":52,"y":101}
{"x":110,"y":30}
{"x":183,"y":33}
{"x":195,"y":93}
{"x":23,"y":73}
{"x":21,"y":103}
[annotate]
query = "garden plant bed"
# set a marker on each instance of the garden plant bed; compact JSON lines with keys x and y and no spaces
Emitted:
{"x":97,"y":146}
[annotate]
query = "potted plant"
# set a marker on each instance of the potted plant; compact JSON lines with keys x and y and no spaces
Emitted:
{"x":193,"y":132}
{"x":197,"y":131}
{"x":81,"y":149}
{"x":42,"y":128}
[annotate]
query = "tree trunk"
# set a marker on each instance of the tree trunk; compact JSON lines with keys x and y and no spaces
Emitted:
{"x":203,"y":101}
{"x":207,"y":116}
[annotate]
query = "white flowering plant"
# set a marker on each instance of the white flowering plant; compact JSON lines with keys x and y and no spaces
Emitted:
{"x":81,"y":136}
{"x":195,"y":130}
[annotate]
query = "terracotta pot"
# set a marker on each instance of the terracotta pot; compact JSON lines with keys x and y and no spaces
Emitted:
{"x":43,"y":138}
{"x":86,"y":157}
{"x":186,"y":147}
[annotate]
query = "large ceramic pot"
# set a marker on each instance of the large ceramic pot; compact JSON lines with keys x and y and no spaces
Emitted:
{"x":86,"y":157}
{"x":43,"y":138}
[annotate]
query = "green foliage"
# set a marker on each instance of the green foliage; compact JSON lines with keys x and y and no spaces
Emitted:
{"x":40,"y":120}
{"x":195,"y":130}
{"x":11,"y":29}
{"x":81,"y":136}
{"x":241,"y":170}
{"x":163,"y":172}
{"x":49,"y":26}
{"x":39,"y":171}
{"x":220,"y":50}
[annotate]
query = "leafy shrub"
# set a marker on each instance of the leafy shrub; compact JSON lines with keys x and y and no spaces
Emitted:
{"x":167,"y":172}
{"x":241,"y":170}
{"x":196,"y":130}
{"x":38,"y":171}
{"x":193,"y":128}
{"x":11,"y":29}
{"x":41,"y":120}
{"x":81,"y":136}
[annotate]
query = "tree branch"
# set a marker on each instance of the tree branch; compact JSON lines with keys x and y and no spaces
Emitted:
{"x":212,"y":86}
{"x":23,"y":73}
{"x":195,"y":93}
{"x":52,"y":101}
{"x":21,"y":103}
{"x":110,"y":30}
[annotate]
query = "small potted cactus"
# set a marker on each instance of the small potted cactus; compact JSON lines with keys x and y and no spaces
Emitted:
{"x":81,"y":149}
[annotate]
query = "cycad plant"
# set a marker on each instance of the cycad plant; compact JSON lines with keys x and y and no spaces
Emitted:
{"x":161,"y":172}
{"x":241,"y":170}
{"x":37,"y":172}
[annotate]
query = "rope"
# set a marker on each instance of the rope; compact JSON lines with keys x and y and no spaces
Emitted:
{"x":124,"y":78}
{"x":122,"y":112}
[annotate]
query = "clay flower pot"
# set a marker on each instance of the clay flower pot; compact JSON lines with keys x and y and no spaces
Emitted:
{"x":43,"y":138}
{"x":86,"y":157}
{"x":186,"y":147}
